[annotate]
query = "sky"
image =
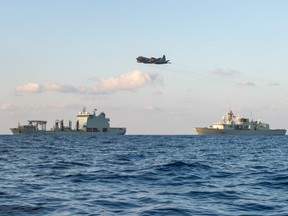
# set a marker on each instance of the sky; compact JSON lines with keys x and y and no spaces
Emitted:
{"x":57,"y":57}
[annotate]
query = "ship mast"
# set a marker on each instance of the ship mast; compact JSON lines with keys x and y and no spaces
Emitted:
{"x":230,"y":117}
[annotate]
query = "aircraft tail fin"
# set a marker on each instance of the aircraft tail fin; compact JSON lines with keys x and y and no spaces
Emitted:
{"x":164,"y":59}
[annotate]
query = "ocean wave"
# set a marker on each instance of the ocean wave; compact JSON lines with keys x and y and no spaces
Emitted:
{"x":143,"y":175}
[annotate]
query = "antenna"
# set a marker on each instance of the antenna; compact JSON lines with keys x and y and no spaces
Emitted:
{"x":229,"y":104}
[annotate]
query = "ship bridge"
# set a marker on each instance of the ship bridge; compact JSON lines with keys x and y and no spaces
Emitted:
{"x":92,"y":122}
{"x":38,"y":124}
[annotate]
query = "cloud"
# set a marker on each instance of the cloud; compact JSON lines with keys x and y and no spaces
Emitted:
{"x":128,"y":81}
{"x":152,"y":108}
{"x":49,"y":86}
{"x":125,"y":82}
{"x":52,"y":105}
{"x":246,"y":83}
{"x":226,"y":72}
{"x":29,"y":88}
{"x":7,"y":106}
{"x":35,"y":106}
{"x":273,"y":84}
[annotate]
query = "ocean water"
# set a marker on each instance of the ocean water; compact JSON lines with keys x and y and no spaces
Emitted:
{"x":143,"y":175}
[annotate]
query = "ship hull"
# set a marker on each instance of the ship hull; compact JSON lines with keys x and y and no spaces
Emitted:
{"x":111,"y":132}
{"x":213,"y":131}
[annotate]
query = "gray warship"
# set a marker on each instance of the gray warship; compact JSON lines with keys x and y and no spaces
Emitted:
{"x":242,"y":126}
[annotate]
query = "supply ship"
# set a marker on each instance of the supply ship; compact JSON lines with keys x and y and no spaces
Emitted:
{"x":242,"y":126}
{"x":86,"y":123}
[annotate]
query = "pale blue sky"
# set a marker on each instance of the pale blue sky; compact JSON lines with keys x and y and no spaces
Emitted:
{"x":57,"y":56}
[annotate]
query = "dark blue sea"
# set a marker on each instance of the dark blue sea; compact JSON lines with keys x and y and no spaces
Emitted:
{"x":143,"y":175}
